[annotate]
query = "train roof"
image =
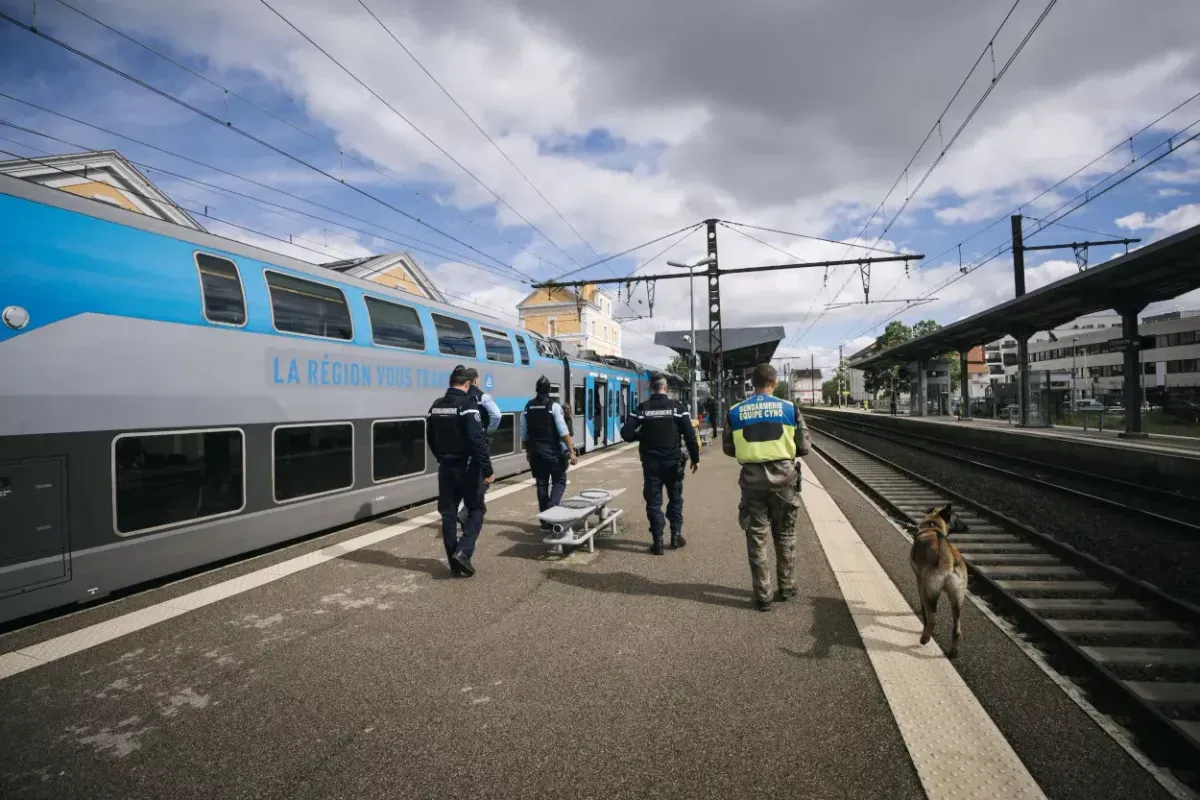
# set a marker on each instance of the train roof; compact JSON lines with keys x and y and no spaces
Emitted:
{"x":57,"y":198}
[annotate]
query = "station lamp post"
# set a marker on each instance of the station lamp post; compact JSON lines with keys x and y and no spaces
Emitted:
{"x":704,"y":262}
{"x":1074,"y":375}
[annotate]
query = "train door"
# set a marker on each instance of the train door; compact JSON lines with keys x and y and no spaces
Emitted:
{"x":601,"y":412}
{"x":33,"y":531}
{"x":612,"y":426}
{"x":625,"y":408}
{"x":579,"y":417}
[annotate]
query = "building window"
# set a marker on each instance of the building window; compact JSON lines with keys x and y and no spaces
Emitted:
{"x":502,"y":441}
{"x":395,"y":325}
{"x":551,"y":327}
{"x":524,"y":348}
{"x":221,"y":285}
{"x":308,"y":307}
{"x":593,"y":327}
{"x":312,"y":459}
{"x":163,"y":479}
{"x":496,"y":346}
{"x":397,"y":448}
{"x":454,"y":337}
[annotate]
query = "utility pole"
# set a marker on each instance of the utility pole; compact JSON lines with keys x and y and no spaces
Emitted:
{"x":716,"y":348}
{"x":839,"y":376}
{"x":812,"y":377}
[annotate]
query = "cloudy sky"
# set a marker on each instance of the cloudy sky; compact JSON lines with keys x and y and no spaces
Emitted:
{"x":632,"y":119}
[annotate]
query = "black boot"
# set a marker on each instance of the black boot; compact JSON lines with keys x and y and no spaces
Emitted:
{"x":763,"y":605}
{"x":656,"y":548}
{"x":455,"y":569}
{"x":464,"y":563}
{"x":677,"y":540}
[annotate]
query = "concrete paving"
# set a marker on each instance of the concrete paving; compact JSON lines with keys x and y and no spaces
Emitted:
{"x":614,"y":674}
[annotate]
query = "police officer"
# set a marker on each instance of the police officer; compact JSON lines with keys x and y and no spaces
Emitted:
{"x":489,"y":418}
{"x":765,"y":433}
{"x":657,"y":425}
{"x":457,"y":441}
{"x":548,"y":445}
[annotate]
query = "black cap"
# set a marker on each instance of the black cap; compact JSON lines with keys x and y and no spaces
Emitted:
{"x":543,"y":385}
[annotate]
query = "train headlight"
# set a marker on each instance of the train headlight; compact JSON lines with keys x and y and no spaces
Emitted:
{"x":15,"y":317}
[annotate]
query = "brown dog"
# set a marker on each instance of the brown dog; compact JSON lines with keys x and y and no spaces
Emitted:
{"x":939,"y":567}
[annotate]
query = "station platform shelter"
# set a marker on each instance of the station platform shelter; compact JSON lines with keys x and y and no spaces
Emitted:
{"x":742,"y":349}
{"x":353,"y":665}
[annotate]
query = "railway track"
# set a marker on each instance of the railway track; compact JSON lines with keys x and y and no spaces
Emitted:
{"x":1170,"y":507}
{"x":1134,"y":648}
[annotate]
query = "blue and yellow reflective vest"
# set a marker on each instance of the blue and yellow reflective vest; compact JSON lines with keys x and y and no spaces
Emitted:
{"x":764,"y":429}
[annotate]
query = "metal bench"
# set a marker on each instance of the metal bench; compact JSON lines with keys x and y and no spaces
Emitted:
{"x":706,"y":435}
{"x":575,"y":512}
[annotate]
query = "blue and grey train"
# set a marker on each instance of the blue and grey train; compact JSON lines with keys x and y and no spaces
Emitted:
{"x":170,"y":398}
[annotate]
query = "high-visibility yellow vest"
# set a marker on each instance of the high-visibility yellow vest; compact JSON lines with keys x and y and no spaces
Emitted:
{"x":764,"y":429}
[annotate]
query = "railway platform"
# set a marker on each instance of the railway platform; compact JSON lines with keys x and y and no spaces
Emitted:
{"x":354,"y":665}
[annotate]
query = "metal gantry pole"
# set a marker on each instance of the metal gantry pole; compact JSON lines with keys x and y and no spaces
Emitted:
{"x":715,"y":346}
{"x":693,"y":366}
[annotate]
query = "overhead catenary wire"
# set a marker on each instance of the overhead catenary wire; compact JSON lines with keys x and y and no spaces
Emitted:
{"x":1087,"y":196}
{"x":333,"y":146}
{"x":624,"y":252}
{"x":450,"y":255}
{"x":807,"y":236}
{"x":421,"y":133}
{"x":246,"y":134}
{"x":478,"y":127}
{"x":945,"y":147}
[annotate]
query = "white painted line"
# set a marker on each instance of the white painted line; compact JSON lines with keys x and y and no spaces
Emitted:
{"x":955,"y":746}
{"x":1124,"y":740}
{"x":50,"y":650}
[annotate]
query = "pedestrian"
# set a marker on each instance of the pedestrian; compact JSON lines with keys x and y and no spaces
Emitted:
{"x":657,"y":425}
{"x":489,"y":418}
{"x":457,"y":441}
{"x":548,"y":445}
{"x":765,"y":434}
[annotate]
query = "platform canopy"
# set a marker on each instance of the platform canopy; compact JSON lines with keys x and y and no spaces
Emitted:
{"x":743,"y":348}
{"x":1159,"y":271}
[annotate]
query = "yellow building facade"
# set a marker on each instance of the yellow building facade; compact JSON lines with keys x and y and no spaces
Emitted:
{"x":579,"y":321}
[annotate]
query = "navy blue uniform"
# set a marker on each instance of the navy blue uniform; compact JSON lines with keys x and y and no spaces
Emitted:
{"x":458,"y":443}
{"x":542,"y":429}
{"x":657,"y":426}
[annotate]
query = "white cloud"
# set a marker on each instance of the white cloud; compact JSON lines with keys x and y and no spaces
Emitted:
{"x":760,"y":130}
{"x":1164,"y":225}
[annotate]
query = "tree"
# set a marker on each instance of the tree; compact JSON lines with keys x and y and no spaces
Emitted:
{"x":829,"y":390}
{"x":888,"y":379}
{"x":782,"y":389}
{"x":681,"y":365}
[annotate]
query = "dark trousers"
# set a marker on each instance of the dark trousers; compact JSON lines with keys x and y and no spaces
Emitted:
{"x":656,"y":476}
{"x":550,"y":473}
{"x":460,"y":483}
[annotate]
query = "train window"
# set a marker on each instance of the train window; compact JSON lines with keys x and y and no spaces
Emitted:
{"x":580,"y":409}
{"x":497,"y":346}
{"x":454,"y":336}
{"x":162,"y":479}
{"x":312,"y":459}
{"x":503,"y":440}
{"x":308,"y":307}
{"x":394,"y":325}
{"x":397,"y":448}
{"x":524,"y":348}
{"x":556,"y":392}
{"x":221,"y":287}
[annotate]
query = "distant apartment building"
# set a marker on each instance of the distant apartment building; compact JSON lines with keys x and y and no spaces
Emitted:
{"x":580,"y":321}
